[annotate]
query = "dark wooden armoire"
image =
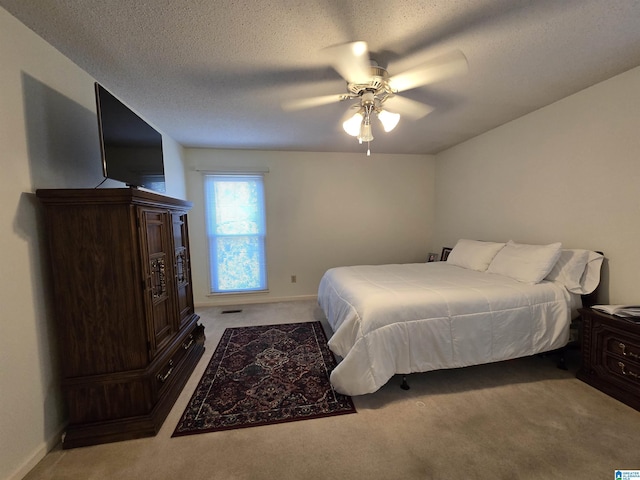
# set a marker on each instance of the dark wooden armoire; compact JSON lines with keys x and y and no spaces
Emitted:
{"x":128,"y":334}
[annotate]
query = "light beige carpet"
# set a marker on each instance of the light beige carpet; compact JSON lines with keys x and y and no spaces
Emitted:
{"x":521,"y":419}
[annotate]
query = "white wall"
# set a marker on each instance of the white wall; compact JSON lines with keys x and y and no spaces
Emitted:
{"x":568,"y":172}
{"x":323,"y":210}
{"x":49,"y":139}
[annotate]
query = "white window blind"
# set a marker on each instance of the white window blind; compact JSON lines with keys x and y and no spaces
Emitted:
{"x":236,"y":231}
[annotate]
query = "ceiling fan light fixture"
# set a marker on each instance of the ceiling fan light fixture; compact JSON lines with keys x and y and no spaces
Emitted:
{"x":359,"y":49}
{"x":352,"y":125}
{"x":389,"y":120}
{"x":365,"y":133}
{"x":370,"y":84}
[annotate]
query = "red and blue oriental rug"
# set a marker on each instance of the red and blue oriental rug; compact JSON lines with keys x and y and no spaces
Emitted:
{"x":262,"y":375}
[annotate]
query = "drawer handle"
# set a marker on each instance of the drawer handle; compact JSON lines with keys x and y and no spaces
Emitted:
{"x":626,"y":372}
{"x":623,"y":347}
{"x":186,"y":345}
{"x":163,"y":378}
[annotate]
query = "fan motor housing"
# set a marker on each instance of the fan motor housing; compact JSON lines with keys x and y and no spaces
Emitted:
{"x":378,"y":83}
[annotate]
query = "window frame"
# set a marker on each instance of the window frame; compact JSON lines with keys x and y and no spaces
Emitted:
{"x":213,"y":284}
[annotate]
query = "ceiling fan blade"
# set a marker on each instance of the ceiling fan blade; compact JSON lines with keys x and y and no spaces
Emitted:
{"x":445,"y":66}
{"x":303,"y":103}
{"x":351,"y":61}
{"x":407,"y":107}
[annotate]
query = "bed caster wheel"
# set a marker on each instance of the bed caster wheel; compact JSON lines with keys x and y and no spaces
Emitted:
{"x":404,"y":385}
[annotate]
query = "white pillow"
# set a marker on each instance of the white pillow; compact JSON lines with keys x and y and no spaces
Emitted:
{"x":473,"y":254}
{"x":569,"y":268}
{"x":591,"y":276}
{"x":525,"y":263}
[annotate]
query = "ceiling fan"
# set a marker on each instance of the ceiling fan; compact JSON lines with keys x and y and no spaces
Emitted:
{"x":376,"y":92}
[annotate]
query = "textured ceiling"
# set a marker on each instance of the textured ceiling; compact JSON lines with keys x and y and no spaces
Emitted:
{"x":214,"y":73}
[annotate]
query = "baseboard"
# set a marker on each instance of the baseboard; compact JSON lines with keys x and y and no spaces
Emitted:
{"x":38,"y":454}
{"x":236,"y":300}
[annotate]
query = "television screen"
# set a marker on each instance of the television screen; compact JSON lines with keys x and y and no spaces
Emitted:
{"x":131,"y":148}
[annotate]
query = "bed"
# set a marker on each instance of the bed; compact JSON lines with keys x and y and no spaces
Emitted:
{"x":488,"y":302}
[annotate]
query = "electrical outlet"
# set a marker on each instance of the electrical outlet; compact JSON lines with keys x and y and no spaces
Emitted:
{"x":294,"y":279}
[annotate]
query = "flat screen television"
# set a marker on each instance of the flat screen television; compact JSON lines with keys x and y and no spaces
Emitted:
{"x":131,"y":149}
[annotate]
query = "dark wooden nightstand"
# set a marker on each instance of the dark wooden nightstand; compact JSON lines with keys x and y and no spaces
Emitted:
{"x":611,"y":355}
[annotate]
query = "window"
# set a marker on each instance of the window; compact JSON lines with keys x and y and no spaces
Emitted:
{"x":236,"y":228}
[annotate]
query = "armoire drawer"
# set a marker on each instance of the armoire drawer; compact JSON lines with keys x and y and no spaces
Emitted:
{"x":171,"y":362}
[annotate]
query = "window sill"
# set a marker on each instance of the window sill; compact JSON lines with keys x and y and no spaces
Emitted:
{"x":226,"y":294}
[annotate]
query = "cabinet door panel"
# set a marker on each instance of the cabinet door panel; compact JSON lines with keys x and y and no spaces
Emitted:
{"x":182,"y":267}
{"x":159,"y":282}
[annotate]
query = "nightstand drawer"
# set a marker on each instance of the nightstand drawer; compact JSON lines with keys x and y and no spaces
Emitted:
{"x":611,"y":355}
{"x":624,"y":347}
{"x":622,"y":372}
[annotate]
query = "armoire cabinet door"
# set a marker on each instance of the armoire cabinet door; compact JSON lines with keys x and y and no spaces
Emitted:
{"x":182,"y":267}
{"x":159,"y":282}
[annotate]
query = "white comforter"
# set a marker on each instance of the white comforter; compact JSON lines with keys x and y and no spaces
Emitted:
{"x":390,"y":319}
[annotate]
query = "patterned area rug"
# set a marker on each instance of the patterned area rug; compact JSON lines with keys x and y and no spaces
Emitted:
{"x":263,"y":375}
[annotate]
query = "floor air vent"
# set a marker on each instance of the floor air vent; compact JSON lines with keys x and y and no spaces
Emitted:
{"x":231,"y":311}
